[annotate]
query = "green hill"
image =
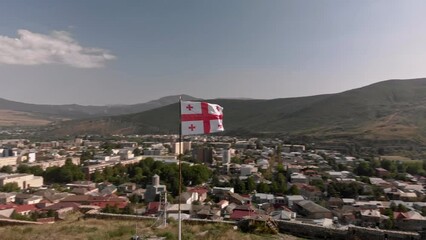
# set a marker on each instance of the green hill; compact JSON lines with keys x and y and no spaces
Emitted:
{"x":388,"y":110}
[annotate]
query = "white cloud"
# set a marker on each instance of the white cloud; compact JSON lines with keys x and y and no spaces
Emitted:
{"x":56,"y":48}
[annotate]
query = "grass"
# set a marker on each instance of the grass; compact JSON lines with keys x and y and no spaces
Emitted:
{"x":95,"y":229}
{"x":402,"y":159}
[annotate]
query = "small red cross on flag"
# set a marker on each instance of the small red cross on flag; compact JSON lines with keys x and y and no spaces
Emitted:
{"x":201,"y":118}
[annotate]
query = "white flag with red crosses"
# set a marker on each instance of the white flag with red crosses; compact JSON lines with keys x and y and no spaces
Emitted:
{"x":201,"y":118}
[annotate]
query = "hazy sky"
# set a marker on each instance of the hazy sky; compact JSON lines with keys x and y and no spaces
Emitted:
{"x":120,"y":52}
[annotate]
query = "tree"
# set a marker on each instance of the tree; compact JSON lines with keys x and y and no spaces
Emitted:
{"x":389,"y":223}
{"x":388,"y":165}
{"x":401,"y":168}
{"x":138,"y":175}
{"x":251,"y":185}
{"x":342,"y":167}
{"x":134,"y":198}
{"x":263,"y":188}
{"x":36,"y":170}
{"x":364,"y":169}
{"x":346,"y":190}
{"x":18,"y":216}
{"x":236,"y":160}
{"x":377,"y":192}
{"x":6,"y":169}
{"x":196,"y":174}
{"x":137,"y":152}
{"x":401,"y":208}
{"x":293,"y":190}
{"x":280,"y":169}
{"x":281,"y":183}
{"x":319,"y":184}
{"x":65,"y":174}
{"x":23,"y":168}
{"x":239,"y":185}
{"x":215,"y":181}
{"x":97,"y":177}
{"x":86,"y":155}
{"x":127,"y":210}
{"x":111,"y":209}
{"x":10,"y":187}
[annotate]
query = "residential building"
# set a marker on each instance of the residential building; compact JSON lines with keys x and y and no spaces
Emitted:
{"x":188,"y":197}
{"x":247,"y":170}
{"x":184,"y":147}
{"x":292,"y":199}
{"x":409,"y":221}
{"x":6,"y":198}
{"x":310,"y":209}
{"x":6,"y":161}
{"x":23,"y":180}
{"x":201,"y":192}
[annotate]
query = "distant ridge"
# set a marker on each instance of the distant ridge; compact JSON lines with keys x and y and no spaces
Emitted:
{"x":392,"y":110}
{"x":388,"y":110}
{"x":74,"y":111}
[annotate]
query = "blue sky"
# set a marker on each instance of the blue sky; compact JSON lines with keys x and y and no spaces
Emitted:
{"x":123,"y":52}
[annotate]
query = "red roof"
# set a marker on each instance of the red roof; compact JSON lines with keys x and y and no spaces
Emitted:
{"x":25,"y":208}
{"x":7,"y":206}
{"x":240,"y":214}
{"x":200,"y":191}
{"x":153,"y":208}
{"x":399,"y":215}
{"x":105,"y":204}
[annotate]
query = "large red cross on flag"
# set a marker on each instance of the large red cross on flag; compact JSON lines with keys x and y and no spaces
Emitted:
{"x":201,"y":118}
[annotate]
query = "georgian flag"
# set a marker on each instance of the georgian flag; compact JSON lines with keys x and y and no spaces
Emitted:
{"x":201,"y":118}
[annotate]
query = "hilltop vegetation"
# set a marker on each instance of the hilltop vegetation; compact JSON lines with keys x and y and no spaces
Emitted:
{"x":388,"y":113}
{"x":385,"y":111}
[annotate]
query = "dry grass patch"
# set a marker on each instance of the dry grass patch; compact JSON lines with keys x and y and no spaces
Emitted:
{"x":15,"y":118}
{"x":94,"y":229}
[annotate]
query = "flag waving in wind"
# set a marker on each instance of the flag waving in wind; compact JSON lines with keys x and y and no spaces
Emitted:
{"x":201,"y":118}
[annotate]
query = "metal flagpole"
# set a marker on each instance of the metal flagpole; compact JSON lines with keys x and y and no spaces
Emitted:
{"x":180,"y":169}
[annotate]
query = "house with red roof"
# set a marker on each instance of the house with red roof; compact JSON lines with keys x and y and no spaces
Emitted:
{"x":242,"y":212}
{"x":25,"y":209}
{"x":409,"y":221}
{"x":202,"y":193}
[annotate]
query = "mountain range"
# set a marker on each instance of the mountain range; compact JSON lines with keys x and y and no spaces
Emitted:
{"x":388,"y":110}
{"x":39,"y":114}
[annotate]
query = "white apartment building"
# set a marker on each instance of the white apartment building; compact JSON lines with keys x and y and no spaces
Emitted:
{"x":184,"y":147}
{"x":24,"y":181}
{"x":5,"y":161}
{"x":226,"y":156}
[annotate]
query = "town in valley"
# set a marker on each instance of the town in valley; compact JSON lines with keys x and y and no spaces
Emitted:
{"x":229,"y":179}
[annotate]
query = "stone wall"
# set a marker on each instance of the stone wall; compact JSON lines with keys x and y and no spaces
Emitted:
{"x":352,"y":233}
{"x":311,"y":231}
{"x":359,"y":233}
